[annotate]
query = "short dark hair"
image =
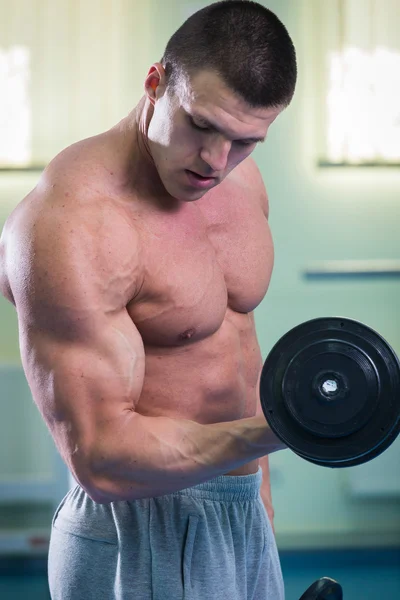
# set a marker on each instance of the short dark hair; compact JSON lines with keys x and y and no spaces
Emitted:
{"x":241,"y":41}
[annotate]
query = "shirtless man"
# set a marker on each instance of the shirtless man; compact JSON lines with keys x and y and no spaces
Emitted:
{"x":135,"y":266}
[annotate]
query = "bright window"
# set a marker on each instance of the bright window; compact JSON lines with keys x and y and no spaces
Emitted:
{"x":15,"y":108}
{"x":354,"y":70}
{"x":363,"y":106}
{"x":68,"y":70}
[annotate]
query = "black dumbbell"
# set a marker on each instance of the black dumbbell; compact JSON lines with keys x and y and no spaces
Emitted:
{"x":324,"y":589}
{"x":330,"y":390}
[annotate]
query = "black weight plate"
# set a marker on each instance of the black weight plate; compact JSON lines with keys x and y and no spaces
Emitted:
{"x":330,"y":390}
{"x":338,"y":363}
{"x":324,"y":589}
{"x":358,"y":460}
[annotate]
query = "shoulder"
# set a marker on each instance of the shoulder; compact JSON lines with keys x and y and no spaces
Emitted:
{"x":248,"y":175}
{"x":72,"y":195}
{"x":70,"y":230}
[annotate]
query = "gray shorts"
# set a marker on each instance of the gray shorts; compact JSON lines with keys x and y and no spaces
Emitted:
{"x":213,"y":540}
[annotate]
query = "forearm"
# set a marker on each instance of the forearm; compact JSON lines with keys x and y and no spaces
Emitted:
{"x":151,"y":456}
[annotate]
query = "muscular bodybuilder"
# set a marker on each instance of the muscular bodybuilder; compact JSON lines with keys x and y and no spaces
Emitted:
{"x":135,"y":266}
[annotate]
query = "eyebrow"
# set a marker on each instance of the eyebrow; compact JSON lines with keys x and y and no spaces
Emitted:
{"x":214,"y":127}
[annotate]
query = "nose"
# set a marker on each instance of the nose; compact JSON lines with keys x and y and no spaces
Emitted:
{"x":215,"y":153}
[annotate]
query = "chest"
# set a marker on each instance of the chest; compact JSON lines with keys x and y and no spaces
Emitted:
{"x":198,"y":263}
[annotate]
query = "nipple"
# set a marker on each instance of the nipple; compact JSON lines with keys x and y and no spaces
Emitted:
{"x":186,"y":335}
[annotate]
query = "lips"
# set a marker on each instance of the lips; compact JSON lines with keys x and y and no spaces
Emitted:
{"x":203,"y":176}
{"x":199,"y":181}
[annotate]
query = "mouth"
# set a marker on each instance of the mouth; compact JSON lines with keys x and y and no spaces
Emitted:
{"x":199,"y":181}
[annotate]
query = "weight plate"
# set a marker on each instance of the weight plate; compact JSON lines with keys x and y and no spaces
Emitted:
{"x":324,"y":589}
{"x":330,"y":390}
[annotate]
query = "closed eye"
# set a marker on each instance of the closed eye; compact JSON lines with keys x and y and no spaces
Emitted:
{"x":195,"y":126}
{"x":207,"y":129}
{"x":245,"y":142}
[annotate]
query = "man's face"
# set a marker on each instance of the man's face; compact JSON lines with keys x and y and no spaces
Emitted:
{"x":198,"y":134}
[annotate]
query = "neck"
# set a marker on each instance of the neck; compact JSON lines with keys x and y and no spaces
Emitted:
{"x":142,"y":117}
{"x":140,"y":169}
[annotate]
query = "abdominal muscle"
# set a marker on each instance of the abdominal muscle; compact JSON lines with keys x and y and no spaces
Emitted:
{"x":208,"y":381}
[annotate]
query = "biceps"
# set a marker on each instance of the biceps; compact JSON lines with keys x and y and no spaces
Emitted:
{"x":82,"y":388}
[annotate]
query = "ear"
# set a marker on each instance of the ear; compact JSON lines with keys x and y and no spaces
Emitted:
{"x":155,"y":82}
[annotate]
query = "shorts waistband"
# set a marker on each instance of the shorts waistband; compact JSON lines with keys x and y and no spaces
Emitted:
{"x":226,"y":488}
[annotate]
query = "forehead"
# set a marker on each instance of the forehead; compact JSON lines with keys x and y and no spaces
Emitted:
{"x":206,"y":95}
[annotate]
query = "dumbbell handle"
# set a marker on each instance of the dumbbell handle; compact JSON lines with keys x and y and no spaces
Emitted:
{"x":324,"y":589}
